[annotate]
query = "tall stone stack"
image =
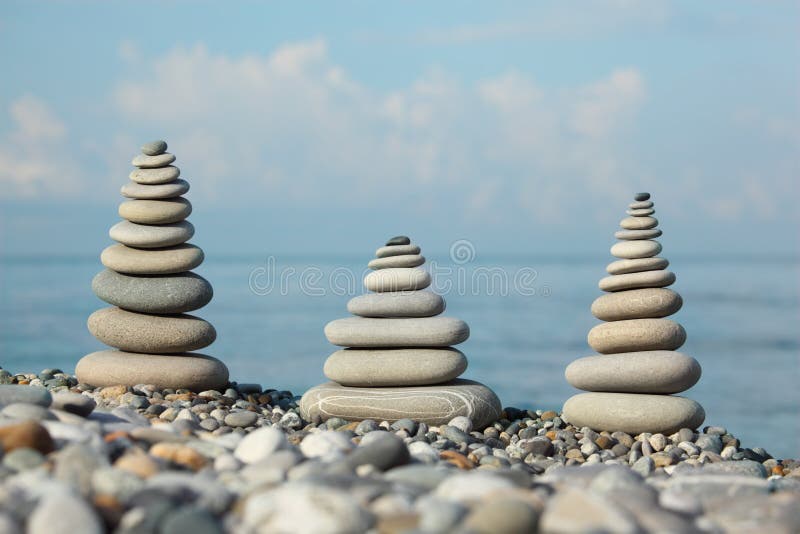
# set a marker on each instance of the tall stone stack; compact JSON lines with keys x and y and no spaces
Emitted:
{"x":633,"y":378}
{"x":398,"y":361}
{"x":148,"y":282}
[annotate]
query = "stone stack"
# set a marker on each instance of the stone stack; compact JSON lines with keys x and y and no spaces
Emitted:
{"x":149,"y":283}
{"x":633,"y":378}
{"x":399,"y":361}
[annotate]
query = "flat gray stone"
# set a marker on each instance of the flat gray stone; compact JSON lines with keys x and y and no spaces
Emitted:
{"x":397,"y":279}
{"x":158,"y":176}
{"x":658,"y":371}
{"x":405,"y":260}
{"x":642,"y":212}
{"x":143,"y":161}
{"x":394,"y":367}
{"x":638,"y":223}
{"x":640,"y":280}
{"x":154,"y":148}
{"x":196,"y":372}
{"x":75,"y":403}
{"x":27,"y":412}
{"x":577,"y":510}
{"x":633,"y":413}
{"x":172,"y":293}
{"x":398,"y":304}
{"x":398,"y":240}
{"x":157,"y":334}
{"x":637,"y":304}
{"x":640,"y":197}
{"x":636,"y":335}
{"x":404,"y":333}
{"x":434,"y":405}
{"x":397,"y":250}
{"x":155,"y":192}
{"x":637,"y":234}
{"x":167,"y":260}
{"x":640,"y":248}
{"x":165,"y":211}
{"x":640,"y":204}
{"x":14,"y":393}
{"x":637,"y":265}
{"x":145,"y":236}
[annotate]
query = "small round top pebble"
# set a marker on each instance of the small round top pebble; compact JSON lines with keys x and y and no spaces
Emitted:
{"x":641,"y":196}
{"x":154,"y":148}
{"x":398,"y":240}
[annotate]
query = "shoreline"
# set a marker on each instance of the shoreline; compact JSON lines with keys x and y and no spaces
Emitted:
{"x":243,"y":459}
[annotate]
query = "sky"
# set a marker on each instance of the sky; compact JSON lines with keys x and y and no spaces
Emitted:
{"x":323,"y":128}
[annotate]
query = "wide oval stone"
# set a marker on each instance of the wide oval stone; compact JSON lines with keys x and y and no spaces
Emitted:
{"x":401,"y":304}
{"x":174,"y":293}
{"x":405,"y":260}
{"x":162,"y":175}
{"x":642,"y":212}
{"x":397,"y":279}
{"x":637,"y":234}
{"x":635,"y":335}
{"x":397,"y":250}
{"x":637,"y":304}
{"x":433,"y":405}
{"x":153,"y":192}
{"x":154,"y":148}
{"x":146,"y":236}
{"x":637,"y":265}
{"x":196,"y":372}
{"x":638,"y":223}
{"x":143,"y":161}
{"x":642,"y":248}
{"x":394,"y":367}
{"x":633,"y":413}
{"x":658,"y":371}
{"x":157,"y":334}
{"x":164,"y":211}
{"x":640,"y":205}
{"x":168,"y":260}
{"x":412,"y":332}
{"x":621,"y":282}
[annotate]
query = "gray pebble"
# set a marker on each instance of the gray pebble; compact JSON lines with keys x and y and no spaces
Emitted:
{"x":12,"y":393}
{"x":154,"y":148}
{"x":22,"y":459}
{"x":241,"y":419}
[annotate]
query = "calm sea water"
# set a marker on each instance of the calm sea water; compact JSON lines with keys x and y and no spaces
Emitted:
{"x":741,"y":315}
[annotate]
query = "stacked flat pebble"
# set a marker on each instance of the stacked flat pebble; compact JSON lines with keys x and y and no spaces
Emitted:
{"x":148,"y":282}
{"x":633,"y":379}
{"x":399,"y":361}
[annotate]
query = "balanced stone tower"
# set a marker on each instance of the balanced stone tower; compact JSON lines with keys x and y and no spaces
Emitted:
{"x":148,"y":283}
{"x":399,"y":361}
{"x":633,"y":378}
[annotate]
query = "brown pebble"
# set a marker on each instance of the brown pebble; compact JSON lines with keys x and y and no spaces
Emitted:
{"x":457,"y":459}
{"x":26,"y":434}
{"x":138,"y":463}
{"x":113,"y":436}
{"x":777,"y":470}
{"x":549,"y":415}
{"x":179,"y":397}
{"x":662,"y":459}
{"x":112,"y":392}
{"x":551,"y":435}
{"x":604,"y":442}
{"x":349,"y":426}
{"x":575,"y":454}
{"x":179,"y":454}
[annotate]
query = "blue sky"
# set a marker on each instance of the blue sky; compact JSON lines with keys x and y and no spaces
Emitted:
{"x":324,"y":127}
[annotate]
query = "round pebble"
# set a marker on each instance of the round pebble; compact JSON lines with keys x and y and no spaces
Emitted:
{"x":637,"y":304}
{"x":405,"y":260}
{"x":636,"y":265}
{"x":401,"y":304}
{"x":635,"y":372}
{"x":167,"y":260}
{"x":384,"y":333}
{"x":164,"y":211}
{"x":394,"y":367}
{"x":398,"y":240}
{"x":622,"y":282}
{"x":174,"y":293}
{"x":397,"y":279}
{"x":397,"y":250}
{"x":155,"y":192}
{"x":143,"y":161}
{"x":162,"y":175}
{"x":145,"y":236}
{"x":643,"y":248}
{"x":154,"y":148}
{"x":636,"y":335}
{"x":638,"y":223}
{"x":139,"y":332}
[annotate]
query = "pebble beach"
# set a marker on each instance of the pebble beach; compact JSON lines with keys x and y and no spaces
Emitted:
{"x":141,"y":459}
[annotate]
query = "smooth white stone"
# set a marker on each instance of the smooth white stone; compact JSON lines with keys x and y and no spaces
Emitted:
{"x":638,"y":223}
{"x":404,"y":260}
{"x":397,"y":279}
{"x":145,"y":236}
{"x":637,"y":304}
{"x":394,"y":367}
{"x":154,"y":192}
{"x":640,"y":212}
{"x":144,"y":161}
{"x":636,"y":335}
{"x":405,"y":333}
{"x":637,"y":234}
{"x":397,"y":250}
{"x":398,"y":304}
{"x":621,"y":282}
{"x":162,"y":175}
{"x":637,"y":265}
{"x":657,"y":371}
{"x":640,"y":205}
{"x":636,"y":249}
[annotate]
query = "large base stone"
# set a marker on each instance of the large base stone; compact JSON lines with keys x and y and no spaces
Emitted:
{"x":394,"y":367}
{"x":633,"y":413}
{"x":196,"y":372}
{"x":434,"y":405}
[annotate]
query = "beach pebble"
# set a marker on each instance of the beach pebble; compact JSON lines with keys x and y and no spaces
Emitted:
{"x":191,"y":520}
{"x":74,"y":403}
{"x":27,"y":412}
{"x":61,"y":512}
{"x":168,"y":260}
{"x":635,"y":372}
{"x":637,"y":304}
{"x":158,"y":176}
{"x":138,"y":191}
{"x":390,"y":262}
{"x":397,"y":279}
{"x":398,"y":240}
{"x":639,"y":197}
{"x":397,"y":250}
{"x":139,"y":332}
{"x":634,"y":335}
{"x":638,"y":223}
{"x":383,"y":452}
{"x":394,"y":367}
{"x":143,"y":161}
{"x":640,"y":204}
{"x":640,"y":212}
{"x":147,"y":236}
{"x":165,"y":211}
{"x":404,"y":304}
{"x":502,"y":516}
{"x":642,"y":248}
{"x":637,"y":234}
{"x":154,"y":148}
{"x":623,"y":282}
{"x":173,"y":293}
{"x":636,"y":265}
{"x":241,"y":419}
{"x":384,"y":333}
{"x":574,"y":510}
{"x":22,"y":459}
{"x":27,"y":434}
{"x":260,"y":444}
{"x":12,"y":393}
{"x":326,"y":445}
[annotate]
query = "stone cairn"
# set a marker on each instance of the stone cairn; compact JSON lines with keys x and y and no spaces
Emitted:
{"x":399,"y":362}
{"x":147,"y":280}
{"x":633,"y":378}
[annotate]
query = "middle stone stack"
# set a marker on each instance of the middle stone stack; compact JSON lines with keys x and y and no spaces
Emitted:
{"x":399,"y":361}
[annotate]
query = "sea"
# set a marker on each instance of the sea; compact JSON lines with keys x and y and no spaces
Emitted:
{"x":528,"y":315}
